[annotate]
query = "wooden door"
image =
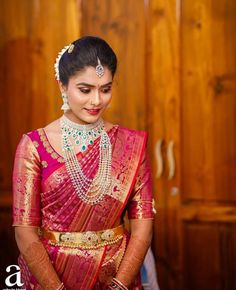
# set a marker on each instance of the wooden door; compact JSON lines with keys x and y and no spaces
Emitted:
{"x":193,"y":104}
{"x":208,"y":143}
{"x":164,"y":125}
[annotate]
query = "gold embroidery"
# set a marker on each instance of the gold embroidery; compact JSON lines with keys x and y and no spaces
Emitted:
{"x":116,"y":189}
{"x":139,"y":209}
{"x":36,"y":144}
{"x":78,"y":252}
{"x":55,"y":179}
{"x":44,"y":164}
{"x":54,"y":155}
{"x":43,"y":138}
{"x":26,"y":183}
{"x":49,"y":149}
{"x":60,"y":159}
{"x":48,"y":146}
{"x":45,"y":144}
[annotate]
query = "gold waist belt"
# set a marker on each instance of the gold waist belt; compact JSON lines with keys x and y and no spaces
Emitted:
{"x":85,"y":240}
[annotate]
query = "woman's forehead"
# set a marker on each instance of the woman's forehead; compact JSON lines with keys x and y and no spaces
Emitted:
{"x":88,"y":75}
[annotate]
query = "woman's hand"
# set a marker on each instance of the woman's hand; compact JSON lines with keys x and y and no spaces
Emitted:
{"x":140,"y":240}
{"x":37,"y":258}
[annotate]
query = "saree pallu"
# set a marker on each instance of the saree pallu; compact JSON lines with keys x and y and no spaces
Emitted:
{"x":44,"y":197}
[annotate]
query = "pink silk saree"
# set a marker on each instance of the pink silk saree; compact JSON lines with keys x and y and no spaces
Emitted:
{"x":44,"y":197}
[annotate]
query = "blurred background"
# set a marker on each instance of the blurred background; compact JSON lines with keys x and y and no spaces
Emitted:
{"x":176,"y":79}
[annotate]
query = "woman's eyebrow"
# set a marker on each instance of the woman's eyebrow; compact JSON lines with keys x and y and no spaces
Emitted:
{"x":92,"y":86}
{"x":108,"y":84}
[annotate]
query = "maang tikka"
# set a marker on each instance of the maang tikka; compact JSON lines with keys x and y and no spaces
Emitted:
{"x":99,"y":69}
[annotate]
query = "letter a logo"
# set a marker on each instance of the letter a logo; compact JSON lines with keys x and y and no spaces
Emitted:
{"x":13,"y":277}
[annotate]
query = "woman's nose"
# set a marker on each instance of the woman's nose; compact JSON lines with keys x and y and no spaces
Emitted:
{"x":96,"y":100}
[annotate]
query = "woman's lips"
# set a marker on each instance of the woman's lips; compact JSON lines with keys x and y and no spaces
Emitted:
{"x":93,"y":111}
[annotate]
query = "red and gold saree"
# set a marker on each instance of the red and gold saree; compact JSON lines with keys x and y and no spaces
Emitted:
{"x":44,"y":197}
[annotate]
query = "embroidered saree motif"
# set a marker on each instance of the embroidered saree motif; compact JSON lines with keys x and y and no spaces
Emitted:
{"x":26,"y":184}
{"x":44,"y":196}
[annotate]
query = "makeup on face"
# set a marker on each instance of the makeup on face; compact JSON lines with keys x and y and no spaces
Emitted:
{"x":88,"y":95}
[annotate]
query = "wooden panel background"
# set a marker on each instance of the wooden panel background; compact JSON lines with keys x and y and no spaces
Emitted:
{"x":208,"y":151}
{"x":32,"y":33}
{"x":213,"y":257}
{"x":164,"y":124}
{"x":122,"y":23}
{"x":208,"y":100}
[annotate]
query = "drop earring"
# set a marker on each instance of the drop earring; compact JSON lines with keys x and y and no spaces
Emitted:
{"x":65,"y":107}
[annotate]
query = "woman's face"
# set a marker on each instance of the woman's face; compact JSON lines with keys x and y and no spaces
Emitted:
{"x":88,"y":95}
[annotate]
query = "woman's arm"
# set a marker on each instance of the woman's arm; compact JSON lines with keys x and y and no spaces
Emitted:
{"x":140,"y":240}
{"x":37,"y":258}
{"x":140,"y":213}
{"x":27,"y":214}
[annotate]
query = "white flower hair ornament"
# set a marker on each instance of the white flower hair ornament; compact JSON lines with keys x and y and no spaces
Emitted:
{"x":70,"y":48}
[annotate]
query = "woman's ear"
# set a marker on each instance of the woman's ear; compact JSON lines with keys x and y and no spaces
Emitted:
{"x":61,"y":87}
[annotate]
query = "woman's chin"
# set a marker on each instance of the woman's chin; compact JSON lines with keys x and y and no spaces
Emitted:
{"x":85,"y":118}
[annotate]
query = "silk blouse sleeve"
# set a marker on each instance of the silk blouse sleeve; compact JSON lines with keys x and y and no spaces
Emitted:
{"x":141,"y":205}
{"x":26,"y":184}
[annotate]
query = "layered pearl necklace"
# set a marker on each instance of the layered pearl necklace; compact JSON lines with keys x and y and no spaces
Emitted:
{"x":91,"y":191}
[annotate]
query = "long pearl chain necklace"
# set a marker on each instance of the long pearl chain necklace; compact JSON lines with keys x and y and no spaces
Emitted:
{"x":91,"y":191}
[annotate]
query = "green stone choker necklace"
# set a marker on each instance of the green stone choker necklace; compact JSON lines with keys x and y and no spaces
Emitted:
{"x":81,"y":135}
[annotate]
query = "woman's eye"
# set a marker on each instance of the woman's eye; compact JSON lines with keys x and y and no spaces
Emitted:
{"x":84,"y":90}
{"x":106,"y":90}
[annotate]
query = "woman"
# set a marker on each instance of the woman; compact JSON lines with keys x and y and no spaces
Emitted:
{"x":74,"y":180}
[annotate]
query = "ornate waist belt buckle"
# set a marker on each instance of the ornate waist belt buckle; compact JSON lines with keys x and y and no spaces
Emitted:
{"x":90,"y":238}
{"x":67,"y":237}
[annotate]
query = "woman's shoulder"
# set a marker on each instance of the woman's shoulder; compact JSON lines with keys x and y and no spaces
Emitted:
{"x":53,"y":127}
{"x":37,"y":133}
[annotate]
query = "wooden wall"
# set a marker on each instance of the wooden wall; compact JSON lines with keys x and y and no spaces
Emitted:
{"x":176,"y":79}
{"x":32,"y":33}
{"x":123,"y":24}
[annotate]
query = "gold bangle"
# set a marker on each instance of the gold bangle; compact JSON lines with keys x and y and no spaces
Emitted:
{"x":116,"y":284}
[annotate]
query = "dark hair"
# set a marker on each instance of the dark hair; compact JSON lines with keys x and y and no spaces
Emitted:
{"x":85,"y":53}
